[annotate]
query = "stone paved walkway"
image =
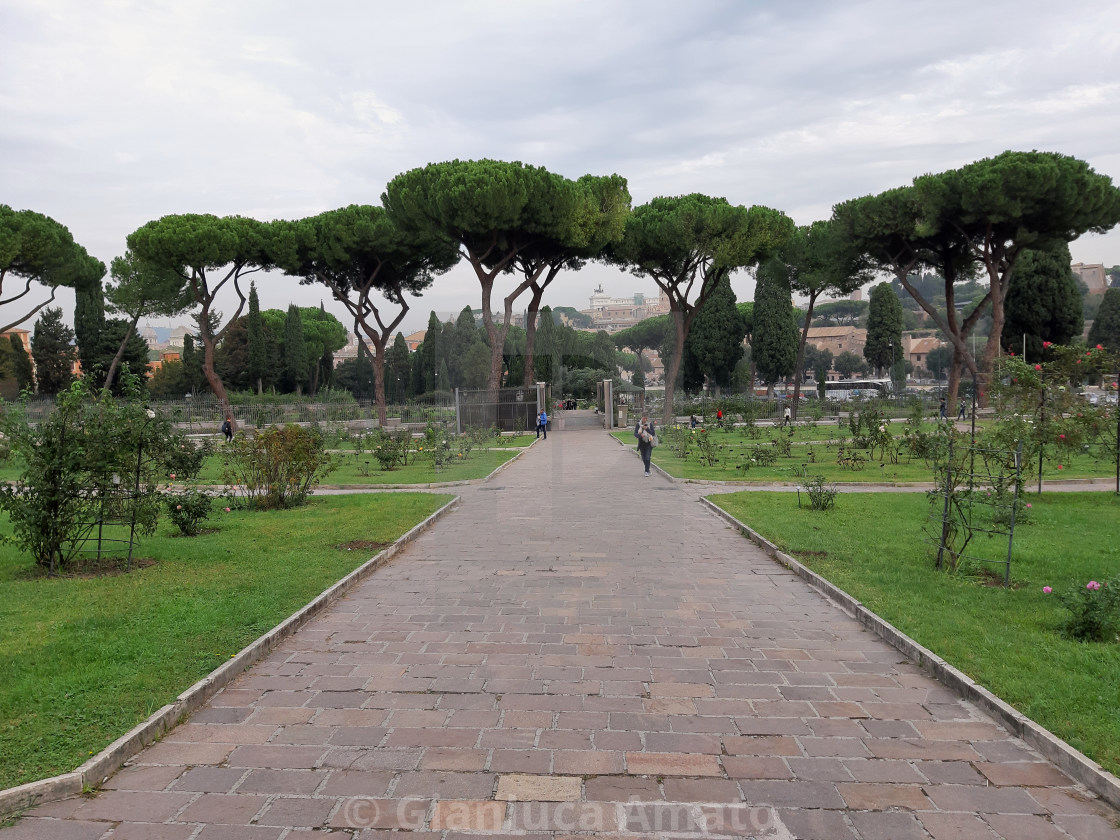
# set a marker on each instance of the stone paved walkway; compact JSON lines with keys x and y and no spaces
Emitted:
{"x":581,"y":649}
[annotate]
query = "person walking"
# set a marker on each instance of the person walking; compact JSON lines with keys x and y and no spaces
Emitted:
{"x":542,"y":425}
{"x":787,"y":417}
{"x":227,"y":428}
{"x":646,"y":433}
{"x":941,"y":410}
{"x":961,"y":411}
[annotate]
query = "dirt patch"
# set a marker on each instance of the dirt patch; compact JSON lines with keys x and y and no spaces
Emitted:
{"x":362,"y":545}
{"x":92,"y":568}
{"x":987,"y":577}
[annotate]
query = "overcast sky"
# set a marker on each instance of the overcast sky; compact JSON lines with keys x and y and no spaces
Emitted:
{"x":115,"y":113}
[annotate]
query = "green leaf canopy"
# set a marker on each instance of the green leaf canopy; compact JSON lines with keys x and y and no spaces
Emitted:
{"x":37,"y":249}
{"x":360,"y":254}
{"x":687,"y":245}
{"x":493,"y":210}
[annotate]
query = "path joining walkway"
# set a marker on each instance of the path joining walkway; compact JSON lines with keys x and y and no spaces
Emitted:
{"x":581,"y":649}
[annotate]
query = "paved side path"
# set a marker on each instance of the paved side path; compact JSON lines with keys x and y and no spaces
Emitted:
{"x":581,"y":649}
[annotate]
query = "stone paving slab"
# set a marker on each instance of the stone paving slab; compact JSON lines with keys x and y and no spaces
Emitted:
{"x":579,"y":650}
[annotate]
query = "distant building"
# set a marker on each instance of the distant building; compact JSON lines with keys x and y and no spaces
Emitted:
{"x":177,"y":336}
{"x":838,"y":339}
{"x":163,"y":358}
{"x":918,"y":349}
{"x":349,"y":351}
{"x":23,"y":335}
{"x":9,"y":389}
{"x":1092,"y":275}
{"x":415,"y":340}
{"x":617,"y":313}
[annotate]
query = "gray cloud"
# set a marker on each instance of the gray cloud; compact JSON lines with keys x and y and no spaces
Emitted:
{"x":114,"y":113}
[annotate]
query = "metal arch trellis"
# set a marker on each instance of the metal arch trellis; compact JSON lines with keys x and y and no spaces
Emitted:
{"x":977,"y":493}
{"x":111,"y":508}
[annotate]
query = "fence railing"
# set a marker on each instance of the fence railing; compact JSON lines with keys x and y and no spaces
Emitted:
{"x":515,"y":410}
{"x":766,"y":408}
{"x":205,"y":414}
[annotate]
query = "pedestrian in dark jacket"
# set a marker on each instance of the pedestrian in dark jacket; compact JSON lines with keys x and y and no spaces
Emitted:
{"x":645,"y":432}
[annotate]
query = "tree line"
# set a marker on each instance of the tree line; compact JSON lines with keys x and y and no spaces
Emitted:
{"x":520,"y":227}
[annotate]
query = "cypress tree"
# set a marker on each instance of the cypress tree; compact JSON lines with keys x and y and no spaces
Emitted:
{"x":428,"y":350}
{"x":884,"y":330}
{"x":295,"y":363}
{"x":397,"y":370}
{"x":52,"y":345}
{"x":192,"y":365}
{"x":89,"y":314}
{"x":1106,"y":326}
{"x":774,"y":328}
{"x":546,"y":357}
{"x":715,"y":342}
{"x":1043,"y":303}
{"x":258,"y":350}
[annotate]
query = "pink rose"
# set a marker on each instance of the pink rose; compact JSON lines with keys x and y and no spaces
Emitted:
{"x":172,"y":476}
{"x":1038,"y":367}
{"x":1092,"y":586}
{"x":178,"y":507}
{"x":227,"y":509}
{"x":1047,"y":590}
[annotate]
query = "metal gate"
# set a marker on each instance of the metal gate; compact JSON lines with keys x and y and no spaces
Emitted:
{"x":515,"y":410}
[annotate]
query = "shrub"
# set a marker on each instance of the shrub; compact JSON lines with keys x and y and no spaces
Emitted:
{"x":781,"y":445}
{"x":95,"y":459}
{"x":820,"y":497}
{"x":1094,"y":610}
{"x":706,"y":448}
{"x":188,"y":510}
{"x":437,"y":445}
{"x":386,"y":448}
{"x":764,"y":456}
{"x":278,"y":467}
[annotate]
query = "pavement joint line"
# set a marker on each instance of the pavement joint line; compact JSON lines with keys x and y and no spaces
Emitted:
{"x":1074,"y":763}
{"x":94,"y":772}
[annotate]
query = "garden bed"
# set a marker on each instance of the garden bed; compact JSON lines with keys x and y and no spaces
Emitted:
{"x":1009,"y":640}
{"x":86,"y":658}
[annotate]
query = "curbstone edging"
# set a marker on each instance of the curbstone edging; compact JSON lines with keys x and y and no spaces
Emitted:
{"x":1070,"y":761}
{"x":14,"y":800}
{"x":100,"y":767}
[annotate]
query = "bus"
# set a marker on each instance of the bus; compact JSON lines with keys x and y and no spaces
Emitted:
{"x":861,"y":389}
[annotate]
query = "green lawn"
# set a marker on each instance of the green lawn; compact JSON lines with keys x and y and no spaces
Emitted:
{"x":83,"y":660}
{"x":871,"y":545}
{"x":814,"y":452}
{"x":504,"y":442}
{"x":363,"y":469}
